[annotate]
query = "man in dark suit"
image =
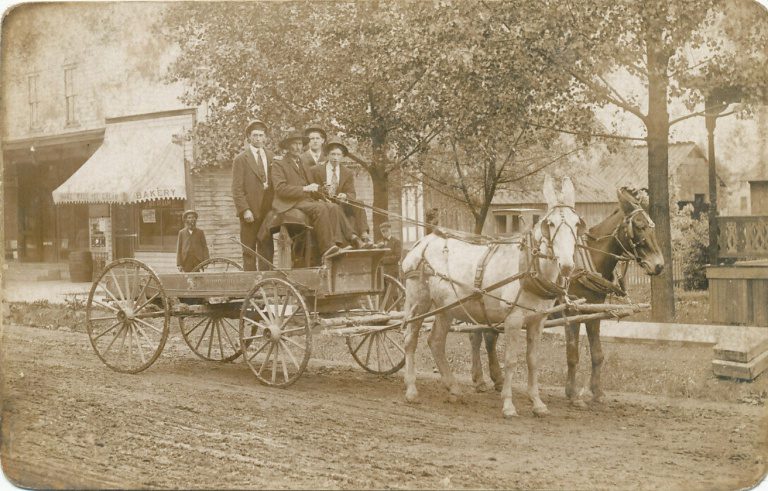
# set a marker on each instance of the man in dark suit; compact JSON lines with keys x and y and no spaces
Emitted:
{"x":252,"y":191}
{"x":315,"y":154}
{"x":339,"y":183}
{"x":295,"y":189}
{"x":391,"y":261}
{"x":191,"y":248}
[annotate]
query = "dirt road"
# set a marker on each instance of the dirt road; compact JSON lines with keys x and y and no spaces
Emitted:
{"x":68,"y":421}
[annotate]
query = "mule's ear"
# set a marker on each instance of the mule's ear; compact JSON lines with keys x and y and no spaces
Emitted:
{"x":627,"y":200}
{"x":550,"y":196}
{"x":569,"y":192}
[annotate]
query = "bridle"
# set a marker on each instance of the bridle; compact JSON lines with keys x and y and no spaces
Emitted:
{"x":635,"y":241}
{"x":544,"y":228}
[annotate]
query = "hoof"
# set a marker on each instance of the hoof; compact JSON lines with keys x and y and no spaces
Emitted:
{"x":541,"y":411}
{"x":509,"y":413}
{"x":578,"y":403}
{"x":411,"y":396}
{"x":481,"y":387}
{"x":498,"y":387}
{"x":598,"y":398}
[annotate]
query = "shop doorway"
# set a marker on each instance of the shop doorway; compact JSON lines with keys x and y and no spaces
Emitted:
{"x":47,"y":233}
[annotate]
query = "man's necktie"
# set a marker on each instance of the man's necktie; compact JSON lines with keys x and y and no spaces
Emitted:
{"x":334,"y":182}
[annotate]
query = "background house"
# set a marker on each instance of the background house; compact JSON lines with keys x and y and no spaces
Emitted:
{"x":688,"y":173}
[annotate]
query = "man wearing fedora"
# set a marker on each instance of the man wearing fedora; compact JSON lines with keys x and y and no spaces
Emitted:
{"x":339,"y":183}
{"x":252,"y":192}
{"x":315,"y":154}
{"x":294,"y":189}
{"x":191,"y":248}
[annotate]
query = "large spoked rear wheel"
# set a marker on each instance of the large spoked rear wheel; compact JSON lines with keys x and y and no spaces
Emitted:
{"x":217,"y":265}
{"x":382,"y":352}
{"x":127,"y":316}
{"x":275,"y":332}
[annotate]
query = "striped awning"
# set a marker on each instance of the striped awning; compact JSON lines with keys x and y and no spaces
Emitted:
{"x":138,"y":161}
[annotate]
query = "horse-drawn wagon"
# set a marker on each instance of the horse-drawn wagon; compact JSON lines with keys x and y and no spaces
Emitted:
{"x":267,"y":316}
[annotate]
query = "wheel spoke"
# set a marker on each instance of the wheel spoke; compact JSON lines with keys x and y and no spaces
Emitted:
{"x":383,"y":303}
{"x":108,"y":330}
{"x":257,"y":323}
{"x":386,"y":350}
{"x":130,"y":344}
{"x":150,"y":299}
{"x":202,"y":336}
{"x":370,"y":344}
{"x":275,"y":362}
{"x":290,"y":317}
{"x":295,"y":343}
{"x":117,"y":284}
{"x":95,"y":319}
{"x":159,"y":331}
{"x":285,"y":367}
{"x":226,"y":334}
{"x":141,"y":332}
{"x":296,"y":329}
{"x":119,"y":332}
{"x":266,"y":359}
{"x":187,"y":333}
{"x":395,"y":343}
{"x":276,"y":303}
{"x":290,"y":355}
{"x":258,"y":351}
{"x":113,"y":309}
{"x":127,"y":287}
{"x":377,"y":338}
{"x":143,"y":289}
{"x":138,"y":345}
{"x":109,"y":293}
{"x":263,"y":314}
{"x":210,"y":337}
{"x":354,"y":352}
{"x":266,"y":304}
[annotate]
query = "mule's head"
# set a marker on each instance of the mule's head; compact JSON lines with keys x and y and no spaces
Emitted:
{"x":638,"y":235}
{"x":556,"y":232}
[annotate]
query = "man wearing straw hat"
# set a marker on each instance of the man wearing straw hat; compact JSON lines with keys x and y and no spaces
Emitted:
{"x":315,"y":154}
{"x":253,"y":192}
{"x":295,"y":189}
{"x":191,"y":248}
{"x":339,"y":183}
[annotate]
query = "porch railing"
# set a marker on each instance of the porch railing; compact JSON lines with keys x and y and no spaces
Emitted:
{"x":743,"y":237}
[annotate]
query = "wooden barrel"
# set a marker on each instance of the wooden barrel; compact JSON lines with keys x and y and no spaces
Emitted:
{"x":80,"y":266}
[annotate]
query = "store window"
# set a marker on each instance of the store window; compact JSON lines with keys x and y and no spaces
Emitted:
{"x":159,"y":224}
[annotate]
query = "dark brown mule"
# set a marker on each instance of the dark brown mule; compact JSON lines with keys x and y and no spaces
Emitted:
{"x":626,"y":235}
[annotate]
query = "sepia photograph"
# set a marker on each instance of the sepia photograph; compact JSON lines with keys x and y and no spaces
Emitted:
{"x":384,"y":244}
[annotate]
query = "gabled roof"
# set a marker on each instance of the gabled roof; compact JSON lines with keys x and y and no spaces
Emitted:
{"x":590,"y":188}
{"x":629,"y":167}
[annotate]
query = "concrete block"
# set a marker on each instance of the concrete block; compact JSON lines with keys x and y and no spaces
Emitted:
{"x":742,"y":346}
{"x":741,"y":371}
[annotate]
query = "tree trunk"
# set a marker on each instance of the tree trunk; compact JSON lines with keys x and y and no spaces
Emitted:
{"x":657,"y":124}
{"x":380,"y":179}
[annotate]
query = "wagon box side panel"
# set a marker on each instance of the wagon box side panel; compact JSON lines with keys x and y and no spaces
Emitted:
{"x":355,"y":271}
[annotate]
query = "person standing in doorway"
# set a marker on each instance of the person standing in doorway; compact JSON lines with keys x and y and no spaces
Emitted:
{"x":252,"y":192}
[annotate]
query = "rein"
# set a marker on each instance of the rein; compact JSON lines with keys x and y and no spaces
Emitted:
{"x":633,"y":244}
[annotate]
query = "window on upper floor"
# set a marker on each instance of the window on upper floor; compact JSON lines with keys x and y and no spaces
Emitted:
{"x":412,"y":205}
{"x":69,"y":94}
{"x":34,"y":102}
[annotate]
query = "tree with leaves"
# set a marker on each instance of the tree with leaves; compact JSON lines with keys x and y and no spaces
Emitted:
{"x":590,"y":42}
{"x":354,"y":67}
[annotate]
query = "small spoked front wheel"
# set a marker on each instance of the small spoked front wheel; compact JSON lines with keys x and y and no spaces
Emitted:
{"x":275,"y":332}
{"x":212,"y":335}
{"x":127,"y":316}
{"x":382,"y":351}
